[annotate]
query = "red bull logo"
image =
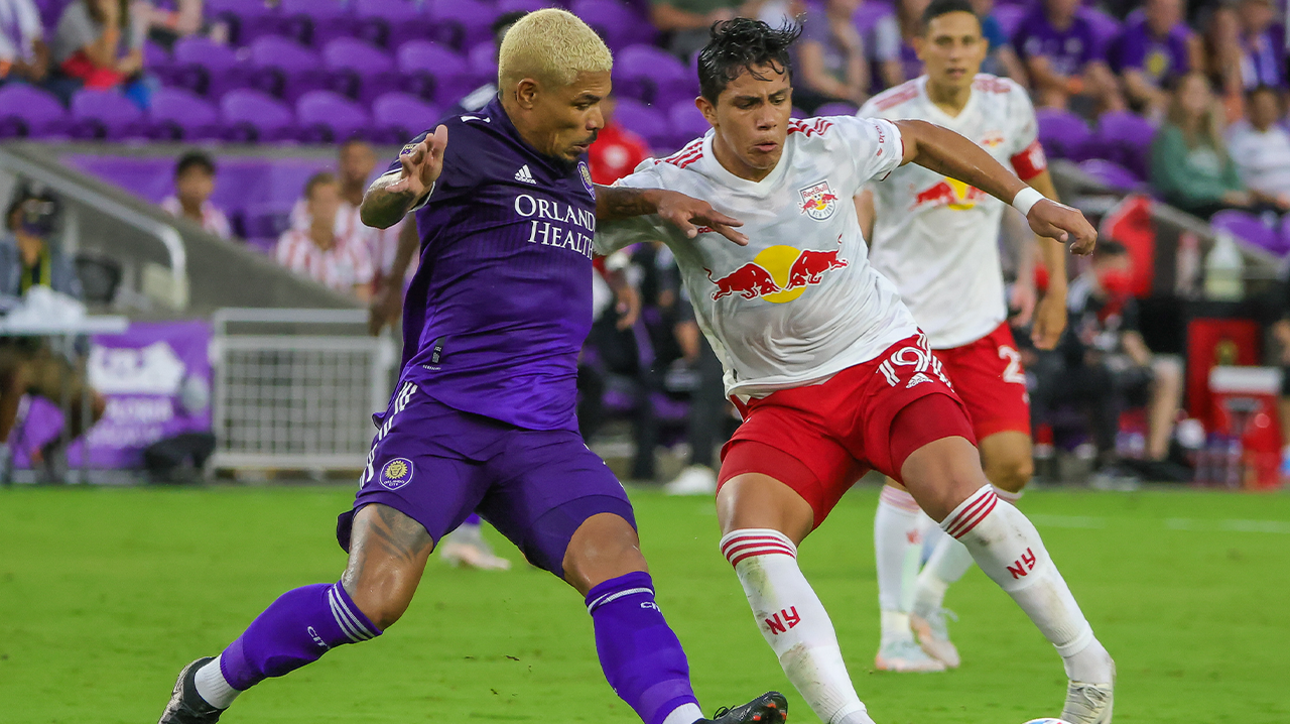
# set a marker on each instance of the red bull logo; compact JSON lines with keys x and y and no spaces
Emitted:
{"x":778,"y":274}
{"x":818,"y":200}
{"x":949,"y":192}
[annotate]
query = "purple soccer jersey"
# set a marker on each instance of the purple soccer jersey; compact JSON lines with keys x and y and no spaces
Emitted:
{"x":501,"y":303}
{"x":1159,"y":59}
{"x":1068,"y":51}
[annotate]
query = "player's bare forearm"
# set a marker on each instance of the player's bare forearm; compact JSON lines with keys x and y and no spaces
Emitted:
{"x":1052,"y":251}
{"x":941,"y":150}
{"x":615,"y":203}
{"x":383,"y":208}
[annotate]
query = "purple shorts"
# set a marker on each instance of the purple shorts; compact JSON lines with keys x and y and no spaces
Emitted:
{"x":437,"y":465}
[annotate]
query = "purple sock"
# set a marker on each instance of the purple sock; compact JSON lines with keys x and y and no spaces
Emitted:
{"x":295,"y":630}
{"x":641,"y":657}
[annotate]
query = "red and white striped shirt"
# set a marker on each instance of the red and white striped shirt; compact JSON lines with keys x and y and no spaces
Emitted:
{"x":213,"y":220}
{"x":342,"y":267}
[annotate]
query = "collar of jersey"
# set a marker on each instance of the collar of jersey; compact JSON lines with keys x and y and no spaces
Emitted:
{"x":940,"y":116}
{"x":762,"y":188}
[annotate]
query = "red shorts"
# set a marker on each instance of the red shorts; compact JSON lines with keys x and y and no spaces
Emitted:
{"x":819,"y":439}
{"x":988,"y":376}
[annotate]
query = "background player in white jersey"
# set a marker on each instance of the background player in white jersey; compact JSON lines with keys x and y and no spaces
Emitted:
{"x":831,"y":371}
{"x":937,"y":240}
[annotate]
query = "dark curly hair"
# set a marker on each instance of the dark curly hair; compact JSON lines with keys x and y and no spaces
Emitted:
{"x":741,"y":45}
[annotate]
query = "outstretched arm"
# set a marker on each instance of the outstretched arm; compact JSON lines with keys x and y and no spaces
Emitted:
{"x":618,"y":203}
{"x":950,"y":154}
{"x":391,"y":196}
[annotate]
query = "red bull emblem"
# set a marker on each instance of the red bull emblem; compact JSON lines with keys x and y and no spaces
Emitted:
{"x":949,"y":192}
{"x":818,"y":201}
{"x":778,"y":274}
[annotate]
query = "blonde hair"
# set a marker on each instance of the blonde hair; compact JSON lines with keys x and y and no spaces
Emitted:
{"x":551,"y":46}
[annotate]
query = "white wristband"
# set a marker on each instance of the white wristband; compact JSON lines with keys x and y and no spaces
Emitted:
{"x":1025,"y":199}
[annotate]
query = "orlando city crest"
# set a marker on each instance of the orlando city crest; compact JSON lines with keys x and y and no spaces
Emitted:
{"x":584,"y":173}
{"x":818,"y":201}
{"x":396,"y":473}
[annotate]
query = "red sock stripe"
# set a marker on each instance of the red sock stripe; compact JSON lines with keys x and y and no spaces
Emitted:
{"x":974,"y":514}
{"x":899,"y":499}
{"x":739,"y":548}
{"x":974,"y":503}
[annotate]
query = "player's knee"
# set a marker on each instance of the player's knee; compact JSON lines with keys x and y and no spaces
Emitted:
{"x":382,"y":597}
{"x":605,"y":546}
{"x":1011,"y":474}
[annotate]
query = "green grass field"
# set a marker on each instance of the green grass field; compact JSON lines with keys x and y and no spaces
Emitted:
{"x":105,"y":593}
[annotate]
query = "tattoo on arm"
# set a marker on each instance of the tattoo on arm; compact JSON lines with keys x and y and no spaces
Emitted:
{"x":382,"y":208}
{"x":614,"y":203}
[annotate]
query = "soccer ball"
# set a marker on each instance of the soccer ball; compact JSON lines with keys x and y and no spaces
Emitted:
{"x":1047,"y":721}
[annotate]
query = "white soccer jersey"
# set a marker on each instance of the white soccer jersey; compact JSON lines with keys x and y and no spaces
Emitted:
{"x":937,"y":239}
{"x":800,"y":302}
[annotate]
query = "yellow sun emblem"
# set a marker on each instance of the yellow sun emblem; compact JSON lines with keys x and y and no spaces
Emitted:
{"x":396,"y":469}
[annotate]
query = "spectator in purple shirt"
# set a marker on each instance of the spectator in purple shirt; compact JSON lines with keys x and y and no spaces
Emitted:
{"x":890,"y":45}
{"x":1262,"y":45}
{"x":1061,"y":52}
{"x":1154,"y":49}
{"x":831,"y":58}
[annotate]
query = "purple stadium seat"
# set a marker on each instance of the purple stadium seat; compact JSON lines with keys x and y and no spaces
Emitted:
{"x":687,"y":123}
{"x":1112,"y":174}
{"x":482,"y":59}
{"x":252,"y":115}
{"x":618,"y":24}
{"x":654,"y":75}
{"x":387,"y":23}
{"x":424,"y":59}
{"x":103,"y":114}
{"x":1285,"y":233}
{"x":837,"y":108}
{"x":206,"y":67}
{"x":467,"y":21}
{"x":643,"y":120}
{"x":297,"y":69}
{"x":1062,"y":133}
{"x":1126,"y":138}
{"x":356,"y":55}
{"x":31,"y":112}
{"x":155,"y":56}
{"x":404,"y":113}
{"x":238,"y":7}
{"x":338,"y":115}
{"x":314,"y":8}
{"x":197,"y":50}
{"x":528,"y":6}
{"x":177,"y":114}
{"x":252,"y":19}
{"x":1248,"y":228}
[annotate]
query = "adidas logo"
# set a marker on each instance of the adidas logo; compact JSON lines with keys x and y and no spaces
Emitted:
{"x":524,"y":175}
{"x":918,"y":379}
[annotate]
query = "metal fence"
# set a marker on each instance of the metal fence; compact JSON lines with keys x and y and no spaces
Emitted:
{"x":296,"y":388}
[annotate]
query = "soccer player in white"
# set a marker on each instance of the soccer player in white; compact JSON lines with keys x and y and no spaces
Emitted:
{"x":830,"y":369}
{"x":937,"y":240}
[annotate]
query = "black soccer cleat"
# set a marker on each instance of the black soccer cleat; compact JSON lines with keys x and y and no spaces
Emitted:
{"x":769,"y":708}
{"x":185,"y":706}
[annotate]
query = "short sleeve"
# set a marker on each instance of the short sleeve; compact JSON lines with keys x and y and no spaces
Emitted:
{"x":1026,"y":153}
{"x":76,"y":29}
{"x":875,"y":147}
{"x":614,"y":235}
{"x":7,"y":50}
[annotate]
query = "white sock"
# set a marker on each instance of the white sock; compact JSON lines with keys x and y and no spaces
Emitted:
{"x":947,"y":564}
{"x":212,"y":687}
{"x":897,"y":545}
{"x":1009,"y":550}
{"x":794,"y":622}
{"x":684,"y":714}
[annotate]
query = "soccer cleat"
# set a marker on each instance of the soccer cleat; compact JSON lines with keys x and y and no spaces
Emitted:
{"x":934,"y":636}
{"x":769,"y":708}
{"x":694,"y":480}
{"x":905,"y":657}
{"x":466,"y":547}
{"x":1089,"y":703}
{"x":185,"y":706}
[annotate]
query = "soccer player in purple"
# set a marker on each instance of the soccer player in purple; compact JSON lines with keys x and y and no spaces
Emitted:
{"x":483,"y":418}
{"x":1153,"y":50}
{"x":1061,"y":51}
